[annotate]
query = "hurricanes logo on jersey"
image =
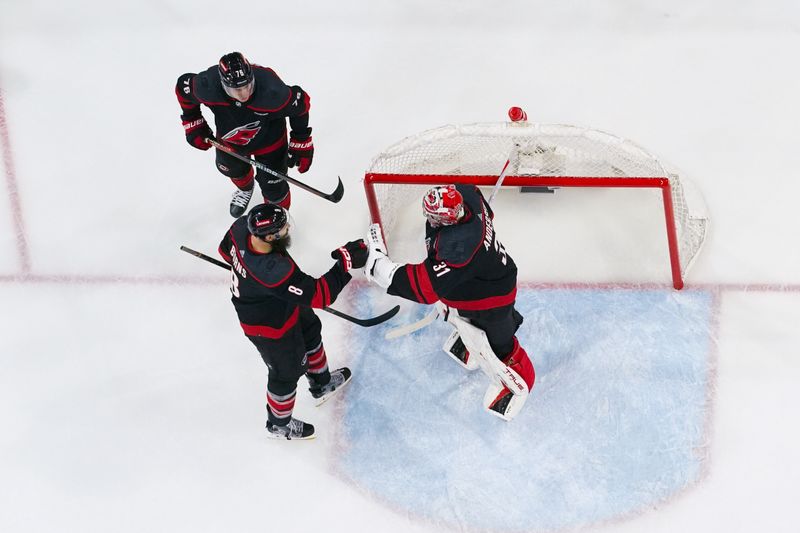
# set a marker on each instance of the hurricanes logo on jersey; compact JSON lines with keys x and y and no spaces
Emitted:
{"x":243,"y":134}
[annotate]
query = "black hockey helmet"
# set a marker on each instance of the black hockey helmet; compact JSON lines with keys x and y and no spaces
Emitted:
{"x":268,"y":221}
{"x":235,"y":70}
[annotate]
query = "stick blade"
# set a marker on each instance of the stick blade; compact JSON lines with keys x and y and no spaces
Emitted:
{"x":365,"y":322}
{"x":337,"y":194}
{"x":380,"y":319}
{"x":411,"y":328}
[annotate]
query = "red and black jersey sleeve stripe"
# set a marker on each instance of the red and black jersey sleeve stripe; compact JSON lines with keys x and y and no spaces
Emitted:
{"x":322,"y":294}
{"x":301,"y":289}
{"x":413,"y":282}
{"x":328,"y":287}
{"x":184,"y":91}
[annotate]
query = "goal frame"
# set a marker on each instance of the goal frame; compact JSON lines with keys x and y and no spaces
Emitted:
{"x":663,"y":183}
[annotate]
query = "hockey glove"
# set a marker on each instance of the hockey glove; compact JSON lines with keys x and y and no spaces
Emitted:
{"x":197,"y":131}
{"x":375,"y":239}
{"x":379,"y":268}
{"x":352,"y":255}
{"x":301,"y":151}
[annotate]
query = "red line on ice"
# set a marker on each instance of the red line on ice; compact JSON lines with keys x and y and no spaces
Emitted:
{"x":13,"y":190}
{"x":25,"y":275}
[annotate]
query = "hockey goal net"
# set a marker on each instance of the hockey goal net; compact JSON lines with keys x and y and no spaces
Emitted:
{"x":539,"y":155}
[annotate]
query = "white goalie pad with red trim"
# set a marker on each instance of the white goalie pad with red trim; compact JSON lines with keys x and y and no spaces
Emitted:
{"x":503,"y":378}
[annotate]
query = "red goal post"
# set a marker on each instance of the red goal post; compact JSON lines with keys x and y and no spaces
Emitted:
{"x":539,"y":155}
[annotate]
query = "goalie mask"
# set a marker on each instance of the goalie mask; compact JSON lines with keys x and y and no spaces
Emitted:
{"x":443,"y":205}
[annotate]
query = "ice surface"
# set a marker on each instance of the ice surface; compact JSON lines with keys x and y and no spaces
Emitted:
{"x":617,"y":420}
{"x":130,"y":401}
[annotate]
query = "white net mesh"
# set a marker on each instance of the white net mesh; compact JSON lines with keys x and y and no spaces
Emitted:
{"x":543,"y":150}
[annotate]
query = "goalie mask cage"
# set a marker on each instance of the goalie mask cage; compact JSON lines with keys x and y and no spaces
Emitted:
{"x":539,"y":155}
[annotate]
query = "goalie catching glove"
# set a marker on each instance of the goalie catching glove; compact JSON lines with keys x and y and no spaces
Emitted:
{"x":352,"y":255}
{"x":379,"y":268}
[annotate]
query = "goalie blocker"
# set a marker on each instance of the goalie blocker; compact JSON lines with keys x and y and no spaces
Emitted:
{"x":468,"y":270}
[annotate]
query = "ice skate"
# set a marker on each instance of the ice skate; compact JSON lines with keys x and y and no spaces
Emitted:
{"x":339,"y":378}
{"x":239,"y":202}
{"x":295,"y":430}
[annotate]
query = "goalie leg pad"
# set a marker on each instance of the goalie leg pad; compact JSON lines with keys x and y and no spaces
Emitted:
{"x":454,"y":347}
{"x":519,"y":362}
{"x":501,"y":402}
{"x":478,"y":345}
{"x":511,"y":379}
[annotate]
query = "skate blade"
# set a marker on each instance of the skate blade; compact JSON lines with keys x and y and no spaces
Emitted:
{"x":273,"y":436}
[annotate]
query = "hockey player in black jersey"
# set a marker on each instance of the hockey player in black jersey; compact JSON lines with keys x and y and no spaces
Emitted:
{"x":274,"y":299}
{"x":469,"y":271}
{"x":250,"y":104}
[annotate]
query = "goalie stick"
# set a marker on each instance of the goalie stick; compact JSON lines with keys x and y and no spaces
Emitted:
{"x":433,"y":315}
{"x":334,"y":197}
{"x":401,"y":331}
{"x":363,"y":322}
{"x":502,"y":176}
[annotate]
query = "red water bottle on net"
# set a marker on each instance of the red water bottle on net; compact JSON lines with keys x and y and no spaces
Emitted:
{"x":517,"y":114}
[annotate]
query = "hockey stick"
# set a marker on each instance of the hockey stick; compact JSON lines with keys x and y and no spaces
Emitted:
{"x":414,"y":326}
{"x":334,"y":197}
{"x":517,"y":116}
{"x":501,"y":177}
{"x":364,"y":322}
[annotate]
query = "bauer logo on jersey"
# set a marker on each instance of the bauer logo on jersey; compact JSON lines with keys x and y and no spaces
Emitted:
{"x":243,"y":134}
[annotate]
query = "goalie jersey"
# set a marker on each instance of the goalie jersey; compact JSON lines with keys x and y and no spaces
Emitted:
{"x":467,"y":267}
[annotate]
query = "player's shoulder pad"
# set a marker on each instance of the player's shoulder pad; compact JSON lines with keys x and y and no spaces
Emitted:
{"x":184,"y":90}
{"x":271,"y":93}
{"x":271,"y":269}
{"x":184,"y":82}
{"x":472,"y":197}
{"x":207,"y":87}
{"x":456,"y":245}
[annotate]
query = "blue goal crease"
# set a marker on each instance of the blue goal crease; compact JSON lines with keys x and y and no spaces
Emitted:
{"x":612,"y":426}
